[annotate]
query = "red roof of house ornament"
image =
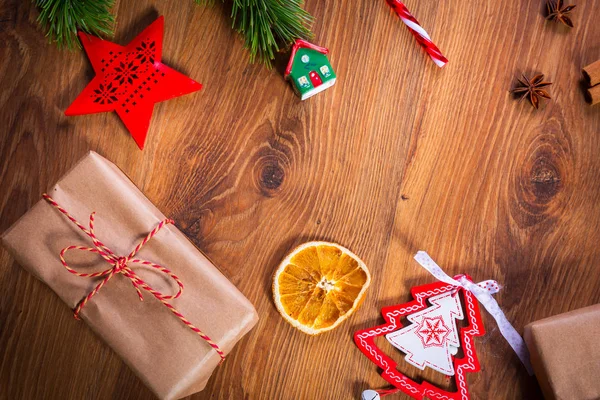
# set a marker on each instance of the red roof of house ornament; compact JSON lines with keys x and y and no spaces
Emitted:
{"x":302,"y":44}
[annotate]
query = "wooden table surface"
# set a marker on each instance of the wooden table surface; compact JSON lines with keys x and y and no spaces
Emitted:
{"x":398,"y":156}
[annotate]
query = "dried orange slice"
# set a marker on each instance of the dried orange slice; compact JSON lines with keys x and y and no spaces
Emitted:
{"x":318,"y":285}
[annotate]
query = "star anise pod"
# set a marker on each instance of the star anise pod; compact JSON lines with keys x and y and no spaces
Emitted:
{"x":557,"y":12}
{"x":532,"y":88}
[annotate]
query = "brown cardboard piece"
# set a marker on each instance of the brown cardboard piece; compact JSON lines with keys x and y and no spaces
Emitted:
{"x":168,"y":357}
{"x":565,"y":353}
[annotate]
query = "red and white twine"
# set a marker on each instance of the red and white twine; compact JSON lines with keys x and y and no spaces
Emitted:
{"x":418,"y":32}
{"x":121,"y":265}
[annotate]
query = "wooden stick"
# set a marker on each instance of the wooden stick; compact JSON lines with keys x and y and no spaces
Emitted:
{"x":592,"y":73}
{"x":593,"y":95}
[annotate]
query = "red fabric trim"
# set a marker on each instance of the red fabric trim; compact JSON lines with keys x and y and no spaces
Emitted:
{"x":302,"y":44}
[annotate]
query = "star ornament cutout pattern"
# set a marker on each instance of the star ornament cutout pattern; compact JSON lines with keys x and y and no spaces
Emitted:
{"x":433,"y":332}
{"x":130,"y":80}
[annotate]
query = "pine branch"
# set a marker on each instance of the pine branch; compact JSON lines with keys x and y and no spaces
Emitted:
{"x":268,"y":24}
{"x":62,"y":18}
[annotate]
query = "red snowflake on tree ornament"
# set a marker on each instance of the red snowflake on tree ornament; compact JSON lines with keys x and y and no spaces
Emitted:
{"x":130,"y":80}
{"x":433,"y":332}
{"x":426,"y":320}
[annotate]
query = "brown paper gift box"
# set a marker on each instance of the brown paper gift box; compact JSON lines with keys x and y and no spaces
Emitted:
{"x":168,"y":357}
{"x":565,"y":353}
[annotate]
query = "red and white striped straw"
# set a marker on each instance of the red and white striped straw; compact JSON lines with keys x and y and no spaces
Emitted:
{"x":418,"y":32}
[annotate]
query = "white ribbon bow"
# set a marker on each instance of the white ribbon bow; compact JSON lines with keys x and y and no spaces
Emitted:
{"x":483,"y":292}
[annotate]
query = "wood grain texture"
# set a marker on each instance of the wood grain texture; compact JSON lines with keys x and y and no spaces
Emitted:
{"x":397,"y":157}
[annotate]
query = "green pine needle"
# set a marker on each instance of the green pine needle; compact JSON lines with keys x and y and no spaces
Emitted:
{"x":268,"y":24}
{"x":62,"y":18}
{"x":265,"y":24}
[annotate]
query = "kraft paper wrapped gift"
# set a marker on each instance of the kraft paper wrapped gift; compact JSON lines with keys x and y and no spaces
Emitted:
{"x":565,"y":353}
{"x":171,"y":359}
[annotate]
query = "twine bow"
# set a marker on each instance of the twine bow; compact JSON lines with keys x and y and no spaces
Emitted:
{"x":483,"y":292}
{"x":120,"y":265}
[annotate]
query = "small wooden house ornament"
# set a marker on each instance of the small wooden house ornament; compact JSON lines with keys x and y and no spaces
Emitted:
{"x":309,"y":69}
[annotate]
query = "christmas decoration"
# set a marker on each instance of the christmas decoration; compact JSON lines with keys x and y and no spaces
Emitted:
{"x":392,"y":315}
{"x":557,"y":12}
{"x":130,"y":80}
{"x":319,"y":285}
{"x":432,"y":338}
{"x":269,"y":25}
{"x":309,"y":69}
{"x":371,"y":395}
{"x":532,"y":89}
{"x":61,"y":19}
{"x":418,"y":32}
{"x":593,"y":95}
{"x":565,"y":354}
{"x":591,"y":73}
{"x":175,"y":338}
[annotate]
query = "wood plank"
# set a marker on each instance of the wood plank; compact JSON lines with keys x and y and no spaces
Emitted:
{"x":397,"y":157}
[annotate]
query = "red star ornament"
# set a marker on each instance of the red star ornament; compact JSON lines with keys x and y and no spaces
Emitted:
{"x":365,"y":340}
{"x":130,"y":80}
